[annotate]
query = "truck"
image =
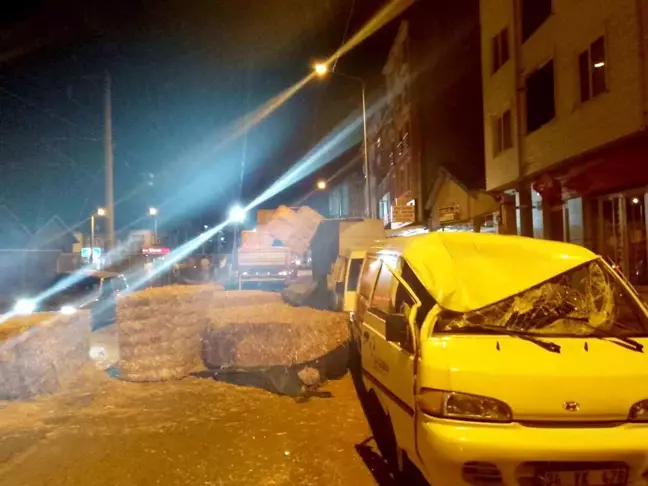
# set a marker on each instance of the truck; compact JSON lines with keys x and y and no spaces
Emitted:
{"x":337,"y":246}
{"x":272,"y":264}
{"x":330,"y":243}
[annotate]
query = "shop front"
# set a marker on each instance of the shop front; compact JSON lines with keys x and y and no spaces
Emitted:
{"x":602,"y":205}
{"x":453,"y":207}
{"x":622,"y":230}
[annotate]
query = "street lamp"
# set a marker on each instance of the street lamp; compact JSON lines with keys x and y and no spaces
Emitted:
{"x":321,"y":70}
{"x":98,"y":212}
{"x":321,"y":185}
{"x":237,"y":214}
{"x":153,"y":212}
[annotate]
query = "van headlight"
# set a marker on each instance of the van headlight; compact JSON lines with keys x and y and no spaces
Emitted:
{"x":24,"y":307}
{"x":462,"y":406}
{"x":639,"y":412}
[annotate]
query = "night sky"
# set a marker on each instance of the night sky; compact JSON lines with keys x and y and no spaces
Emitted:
{"x":183,"y":71}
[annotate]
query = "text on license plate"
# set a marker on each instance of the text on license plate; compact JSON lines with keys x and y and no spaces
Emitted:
{"x":597,"y":477}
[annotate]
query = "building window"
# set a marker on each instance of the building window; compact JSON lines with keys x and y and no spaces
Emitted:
{"x":502,"y":132}
{"x":534,"y":14}
{"x":500,"y":47}
{"x":591,"y":66}
{"x":540,"y":99}
{"x":405,"y":176}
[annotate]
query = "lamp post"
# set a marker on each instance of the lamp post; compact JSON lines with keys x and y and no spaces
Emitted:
{"x":153,"y":212}
{"x":98,"y":212}
{"x":321,"y":70}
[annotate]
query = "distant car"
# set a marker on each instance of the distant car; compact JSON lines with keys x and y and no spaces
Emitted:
{"x":95,"y":291}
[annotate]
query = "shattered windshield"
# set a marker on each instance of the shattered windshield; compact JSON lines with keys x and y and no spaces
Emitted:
{"x":584,"y":301}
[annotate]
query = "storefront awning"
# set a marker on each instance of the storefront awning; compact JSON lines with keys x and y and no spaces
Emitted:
{"x":617,"y":169}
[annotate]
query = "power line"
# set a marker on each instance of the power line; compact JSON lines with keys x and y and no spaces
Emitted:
{"x":37,"y":107}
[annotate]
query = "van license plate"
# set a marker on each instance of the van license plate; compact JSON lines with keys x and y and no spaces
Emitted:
{"x":595,"y":477}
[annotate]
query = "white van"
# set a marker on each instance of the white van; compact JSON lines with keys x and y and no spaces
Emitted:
{"x":503,"y":360}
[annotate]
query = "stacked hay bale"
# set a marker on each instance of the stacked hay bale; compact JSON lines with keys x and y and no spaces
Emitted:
{"x":41,"y":352}
{"x":160,"y":330}
{"x":277,"y":335}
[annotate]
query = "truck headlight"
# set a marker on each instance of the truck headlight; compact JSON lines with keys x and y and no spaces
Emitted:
{"x":68,"y":310}
{"x":24,"y":307}
{"x":639,"y":412}
{"x":462,"y":406}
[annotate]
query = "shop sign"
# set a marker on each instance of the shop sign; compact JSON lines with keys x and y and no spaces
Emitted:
{"x":156,"y":251}
{"x":403,"y":214}
{"x":448,"y":214}
{"x":85,"y":253}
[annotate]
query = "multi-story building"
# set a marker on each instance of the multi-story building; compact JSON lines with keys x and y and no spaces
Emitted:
{"x":346,"y":196}
{"x":380,"y":155}
{"x":400,"y":185}
{"x":565,"y":114}
{"x":432,"y":129}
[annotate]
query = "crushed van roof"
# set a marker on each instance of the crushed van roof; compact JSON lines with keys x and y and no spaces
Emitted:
{"x":468,"y":271}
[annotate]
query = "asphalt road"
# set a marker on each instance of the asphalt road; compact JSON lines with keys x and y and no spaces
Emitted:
{"x":197,"y":431}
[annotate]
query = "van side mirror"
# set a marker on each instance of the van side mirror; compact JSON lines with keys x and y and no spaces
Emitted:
{"x":339,"y":287}
{"x":396,"y":328}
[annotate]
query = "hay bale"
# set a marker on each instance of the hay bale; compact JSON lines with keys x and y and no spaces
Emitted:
{"x":160,"y":330}
{"x":272,"y":334}
{"x":163,"y":347}
{"x":169,"y":295}
{"x":190,"y":295}
{"x":40,"y":353}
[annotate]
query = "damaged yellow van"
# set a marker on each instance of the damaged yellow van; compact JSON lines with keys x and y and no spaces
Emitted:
{"x":501,"y":360}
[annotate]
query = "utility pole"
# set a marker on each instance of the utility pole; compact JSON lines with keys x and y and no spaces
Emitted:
{"x":108,"y":158}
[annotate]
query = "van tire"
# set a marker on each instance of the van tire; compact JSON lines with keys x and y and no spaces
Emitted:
{"x":408,"y":473}
{"x":383,"y":430}
{"x":355,"y":357}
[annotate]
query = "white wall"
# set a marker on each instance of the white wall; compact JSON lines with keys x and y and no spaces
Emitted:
{"x":577,"y":127}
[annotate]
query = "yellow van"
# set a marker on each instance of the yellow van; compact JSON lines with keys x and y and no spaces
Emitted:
{"x":503,"y":360}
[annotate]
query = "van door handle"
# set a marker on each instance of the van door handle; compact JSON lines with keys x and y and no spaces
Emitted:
{"x":365,"y":335}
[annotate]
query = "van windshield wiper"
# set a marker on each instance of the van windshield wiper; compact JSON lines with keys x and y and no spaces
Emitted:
{"x":629,"y":342}
{"x":527,"y":336}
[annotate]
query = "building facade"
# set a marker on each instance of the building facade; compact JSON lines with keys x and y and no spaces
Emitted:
{"x":401,"y":168}
{"x":431,"y":124}
{"x":565,"y":112}
{"x":346,"y":196}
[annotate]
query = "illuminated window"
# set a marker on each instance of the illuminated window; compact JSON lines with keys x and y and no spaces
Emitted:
{"x":592,"y":67}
